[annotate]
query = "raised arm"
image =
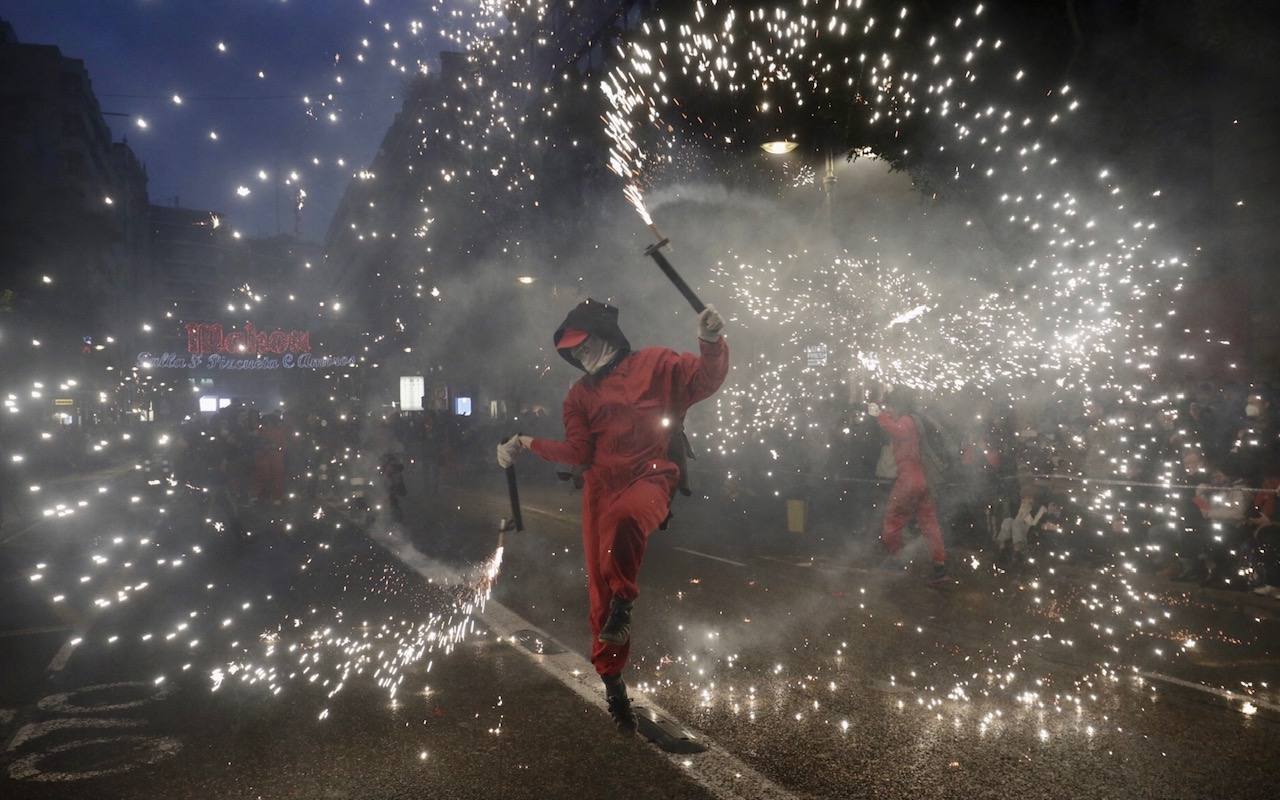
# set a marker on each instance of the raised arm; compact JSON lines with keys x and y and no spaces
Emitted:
{"x":699,"y":376}
{"x":894,"y":425}
{"x":576,"y":449}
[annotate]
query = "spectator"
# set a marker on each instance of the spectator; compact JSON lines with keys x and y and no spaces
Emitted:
{"x":431,"y":438}
{"x":1011,"y":539}
{"x":855,"y":445}
{"x":1222,"y":507}
{"x":392,"y":470}
{"x":980,"y":463}
{"x":269,"y":460}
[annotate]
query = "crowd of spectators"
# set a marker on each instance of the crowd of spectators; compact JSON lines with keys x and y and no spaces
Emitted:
{"x":241,"y":458}
{"x":1189,"y":482}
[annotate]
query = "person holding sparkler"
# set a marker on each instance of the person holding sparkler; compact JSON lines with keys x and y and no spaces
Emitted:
{"x":620,"y":420}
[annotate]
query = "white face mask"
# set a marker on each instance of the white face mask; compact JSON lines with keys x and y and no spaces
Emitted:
{"x":1251,"y":410}
{"x":594,"y":354}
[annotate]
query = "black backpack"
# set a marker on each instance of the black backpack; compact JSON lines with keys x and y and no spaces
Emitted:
{"x":940,"y":454}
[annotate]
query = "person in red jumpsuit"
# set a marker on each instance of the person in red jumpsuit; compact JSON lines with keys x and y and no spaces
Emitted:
{"x":910,"y":497}
{"x":618,"y":424}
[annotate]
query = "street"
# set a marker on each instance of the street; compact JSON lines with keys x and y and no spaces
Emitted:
{"x":807,"y":672}
{"x":639,"y":399}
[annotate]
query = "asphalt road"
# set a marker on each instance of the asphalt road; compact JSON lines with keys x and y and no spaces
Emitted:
{"x":352,"y":662}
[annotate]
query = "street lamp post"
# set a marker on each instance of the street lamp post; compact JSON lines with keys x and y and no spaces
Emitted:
{"x":828,"y":189}
{"x":781,"y":147}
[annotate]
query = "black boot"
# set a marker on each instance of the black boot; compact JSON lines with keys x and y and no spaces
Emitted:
{"x":617,"y":628}
{"x":939,"y":575}
{"x":615,"y":692}
{"x":1018,"y":564}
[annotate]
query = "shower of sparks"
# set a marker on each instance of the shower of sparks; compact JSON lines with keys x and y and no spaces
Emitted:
{"x":1084,"y":315}
{"x":1084,"y":312}
{"x":907,"y":316}
{"x":1097,"y":288}
{"x":330,"y":652}
{"x":848,"y":307}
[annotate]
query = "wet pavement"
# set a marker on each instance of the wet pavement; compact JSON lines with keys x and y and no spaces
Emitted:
{"x":809,"y":668}
{"x":837,"y":678}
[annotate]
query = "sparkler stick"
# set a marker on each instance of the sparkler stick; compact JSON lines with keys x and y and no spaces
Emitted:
{"x":654,"y":251}
{"x":513,"y":493}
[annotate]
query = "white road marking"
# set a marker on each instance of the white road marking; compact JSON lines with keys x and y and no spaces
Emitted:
{"x":716,"y":770}
{"x":63,"y":655}
{"x":16,"y":534}
{"x":34,"y":730}
{"x":708,"y":555}
{"x":11,"y":634}
{"x":27,"y":767}
{"x":1200,"y":687}
{"x":562,"y":516}
{"x":573,"y":519}
{"x":127,"y":751}
{"x":60,"y":702}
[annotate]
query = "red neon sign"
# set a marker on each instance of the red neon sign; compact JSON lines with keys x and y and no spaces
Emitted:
{"x":208,"y":337}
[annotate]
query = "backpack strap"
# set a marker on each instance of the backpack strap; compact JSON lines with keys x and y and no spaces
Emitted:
{"x":680,"y":452}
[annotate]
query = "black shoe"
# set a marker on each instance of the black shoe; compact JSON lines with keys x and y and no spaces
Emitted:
{"x":617,"y":628}
{"x":615,"y":693}
{"x":939,"y":574}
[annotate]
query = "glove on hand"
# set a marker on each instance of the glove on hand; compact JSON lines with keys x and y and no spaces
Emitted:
{"x":710,"y":324}
{"x":508,"y":450}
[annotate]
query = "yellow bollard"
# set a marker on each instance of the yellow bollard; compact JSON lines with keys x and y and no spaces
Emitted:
{"x":795,"y":516}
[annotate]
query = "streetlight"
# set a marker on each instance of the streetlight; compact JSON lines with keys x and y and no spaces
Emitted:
{"x":779,"y":147}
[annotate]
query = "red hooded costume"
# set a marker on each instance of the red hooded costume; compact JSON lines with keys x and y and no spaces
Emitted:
{"x":618,"y":424}
{"x":910,"y":497}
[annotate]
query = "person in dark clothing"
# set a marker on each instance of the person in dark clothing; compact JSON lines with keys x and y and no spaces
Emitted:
{"x":619,"y":422}
{"x":220,"y":456}
{"x":856,"y":445}
{"x":979,"y":464}
{"x":431,"y":439}
{"x":243,"y":444}
{"x":392,"y":470}
{"x":268,"y":463}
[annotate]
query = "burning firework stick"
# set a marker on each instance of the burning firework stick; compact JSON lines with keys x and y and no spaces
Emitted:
{"x":513,"y":493}
{"x":654,"y":251}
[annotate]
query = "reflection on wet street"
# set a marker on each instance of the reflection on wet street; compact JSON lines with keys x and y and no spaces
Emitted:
{"x":614,"y":398}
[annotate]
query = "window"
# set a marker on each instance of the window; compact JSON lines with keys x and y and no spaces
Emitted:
{"x":412,"y":387}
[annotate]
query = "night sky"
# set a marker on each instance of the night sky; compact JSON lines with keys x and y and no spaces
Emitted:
{"x":139,"y":53}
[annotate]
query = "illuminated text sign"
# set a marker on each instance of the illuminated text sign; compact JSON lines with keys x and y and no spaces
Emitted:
{"x":206,"y":338}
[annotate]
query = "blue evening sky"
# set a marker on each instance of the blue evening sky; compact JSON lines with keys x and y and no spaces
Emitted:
{"x":139,"y":53}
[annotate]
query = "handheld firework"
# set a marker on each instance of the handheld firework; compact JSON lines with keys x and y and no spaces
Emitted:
{"x":654,"y":251}
{"x":516,"y":522}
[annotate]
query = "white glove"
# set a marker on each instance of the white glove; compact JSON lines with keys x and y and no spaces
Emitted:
{"x":710,"y":324}
{"x":508,"y":450}
{"x":873,"y":409}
